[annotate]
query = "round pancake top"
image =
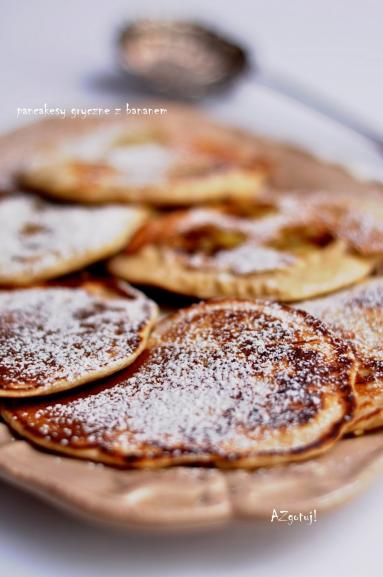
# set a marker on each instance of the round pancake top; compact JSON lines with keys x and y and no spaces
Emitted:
{"x":354,"y":218}
{"x":37,"y":235}
{"x":147,"y":151}
{"x":221,"y":380}
{"x":161,"y":161}
{"x":57,"y":334}
{"x":356,"y":315}
{"x":213,"y":239}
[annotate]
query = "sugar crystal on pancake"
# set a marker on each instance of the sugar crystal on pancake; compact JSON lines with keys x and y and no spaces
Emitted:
{"x":168,"y":161}
{"x":54,"y":338}
{"x":217,"y":252}
{"x":356,"y":315}
{"x":40,"y":240}
{"x":230,"y":383}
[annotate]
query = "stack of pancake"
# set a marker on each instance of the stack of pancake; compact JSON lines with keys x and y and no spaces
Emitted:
{"x":280,"y":356}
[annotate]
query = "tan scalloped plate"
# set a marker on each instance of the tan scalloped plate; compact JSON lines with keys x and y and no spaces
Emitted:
{"x":180,"y":496}
{"x":183,"y":497}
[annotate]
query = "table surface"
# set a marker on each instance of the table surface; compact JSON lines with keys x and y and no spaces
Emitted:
{"x":61,"y":53}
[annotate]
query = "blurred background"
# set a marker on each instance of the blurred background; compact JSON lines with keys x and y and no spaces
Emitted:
{"x":64,"y":54}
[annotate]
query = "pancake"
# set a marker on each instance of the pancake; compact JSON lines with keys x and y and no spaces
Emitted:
{"x":354,"y":218}
{"x":40,"y":240}
{"x":212,"y":253}
{"x":230,"y":383}
{"x":54,"y":338}
{"x":356,"y":315}
{"x":165,"y":161}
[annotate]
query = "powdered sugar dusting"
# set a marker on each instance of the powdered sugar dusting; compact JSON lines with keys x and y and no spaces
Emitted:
{"x":363,"y":231}
{"x":215,"y":240}
{"x":354,"y":218}
{"x":53,"y":334}
{"x":142,"y":164}
{"x":290,"y":222}
{"x":244,"y":259}
{"x":234,"y":380}
{"x":356,"y":314}
{"x":36,"y":235}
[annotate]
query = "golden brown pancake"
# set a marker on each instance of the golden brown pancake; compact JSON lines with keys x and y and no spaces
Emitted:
{"x":54,"y":338}
{"x":356,"y":315}
{"x":354,"y":218}
{"x":161,"y":161}
{"x":214,"y":252}
{"x":231,"y":383}
{"x":40,"y":240}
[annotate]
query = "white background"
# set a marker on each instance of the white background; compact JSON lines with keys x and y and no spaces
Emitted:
{"x":62,"y":53}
